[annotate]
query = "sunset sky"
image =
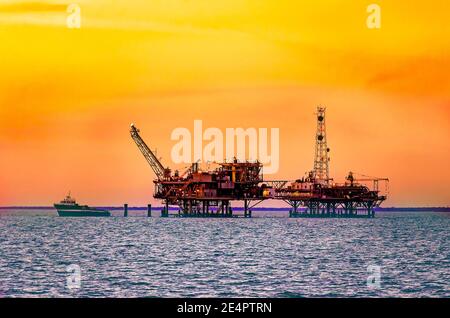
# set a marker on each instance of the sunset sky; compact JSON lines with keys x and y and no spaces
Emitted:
{"x":68,"y":96}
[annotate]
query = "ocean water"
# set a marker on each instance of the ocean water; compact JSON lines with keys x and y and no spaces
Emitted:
{"x":266,"y":256}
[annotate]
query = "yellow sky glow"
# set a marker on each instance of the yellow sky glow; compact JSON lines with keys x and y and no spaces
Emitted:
{"x":67,"y":96}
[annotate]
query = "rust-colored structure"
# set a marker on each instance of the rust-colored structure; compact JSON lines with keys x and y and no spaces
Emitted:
{"x":209,"y":193}
{"x":206,"y":193}
{"x":350,"y":199}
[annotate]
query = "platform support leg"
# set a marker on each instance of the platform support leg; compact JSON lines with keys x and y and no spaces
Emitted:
{"x":165,"y":210}
{"x":149,"y":210}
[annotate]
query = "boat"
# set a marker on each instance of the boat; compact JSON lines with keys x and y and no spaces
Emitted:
{"x":69,"y":207}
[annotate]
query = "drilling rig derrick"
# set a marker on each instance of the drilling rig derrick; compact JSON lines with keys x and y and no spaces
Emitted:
{"x":320,"y":197}
{"x":321,"y":171}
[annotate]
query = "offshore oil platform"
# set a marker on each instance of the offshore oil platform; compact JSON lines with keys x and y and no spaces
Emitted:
{"x":209,"y":193}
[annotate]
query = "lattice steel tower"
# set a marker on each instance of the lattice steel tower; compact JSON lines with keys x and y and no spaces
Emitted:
{"x":321,"y":159}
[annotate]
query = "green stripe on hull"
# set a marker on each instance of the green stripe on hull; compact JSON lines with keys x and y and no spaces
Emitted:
{"x":75,"y":213}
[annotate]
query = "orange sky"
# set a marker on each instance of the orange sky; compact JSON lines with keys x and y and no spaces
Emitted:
{"x":67,"y":96}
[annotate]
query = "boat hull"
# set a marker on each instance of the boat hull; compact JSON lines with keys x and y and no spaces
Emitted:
{"x":78,"y":213}
{"x":79,"y":210}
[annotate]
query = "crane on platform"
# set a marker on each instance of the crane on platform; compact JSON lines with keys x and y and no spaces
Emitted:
{"x":365,"y":178}
{"x":155,"y":164}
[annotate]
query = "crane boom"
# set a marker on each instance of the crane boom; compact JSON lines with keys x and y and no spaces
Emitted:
{"x":375,"y":180}
{"x":154,"y":163}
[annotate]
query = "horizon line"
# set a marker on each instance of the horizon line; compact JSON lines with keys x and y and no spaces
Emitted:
{"x":144,"y":207}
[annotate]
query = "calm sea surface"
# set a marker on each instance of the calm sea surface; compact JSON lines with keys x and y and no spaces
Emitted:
{"x":266,"y":256}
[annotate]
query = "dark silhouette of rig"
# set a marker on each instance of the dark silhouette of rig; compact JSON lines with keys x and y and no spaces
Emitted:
{"x":209,"y":193}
